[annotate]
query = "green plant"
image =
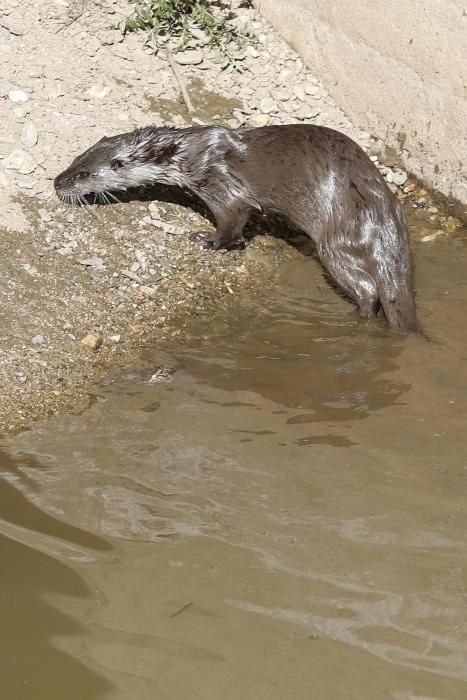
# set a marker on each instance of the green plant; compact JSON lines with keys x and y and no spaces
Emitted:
{"x":186,"y":20}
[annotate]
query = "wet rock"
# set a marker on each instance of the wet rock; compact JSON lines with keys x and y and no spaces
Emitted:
{"x":189,"y":58}
{"x":29,"y":135}
{"x":452,"y":224}
{"x":93,"y":341}
{"x":20,"y":161}
{"x":18,"y":96}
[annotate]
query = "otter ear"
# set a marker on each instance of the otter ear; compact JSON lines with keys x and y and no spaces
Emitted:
{"x":116,"y":164}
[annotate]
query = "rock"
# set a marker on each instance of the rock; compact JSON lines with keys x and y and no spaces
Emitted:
{"x":92,"y":340}
{"x":39,"y":340}
{"x":20,"y":112}
{"x":431,"y":236}
{"x":399,"y":177}
{"x":18,"y":96}
{"x":29,"y":135}
{"x":20,"y":161}
{"x":299,"y":92}
{"x":91,"y":262}
{"x":261,"y":119}
{"x":189,"y":58}
{"x":452,"y":224}
{"x":281,"y":94}
{"x":4,"y":181}
{"x":131,"y":275}
{"x":148,"y":292}
{"x":310,"y":88}
{"x":268,"y":105}
{"x":99,"y":91}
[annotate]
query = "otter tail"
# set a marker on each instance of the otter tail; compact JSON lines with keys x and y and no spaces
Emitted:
{"x":394,"y":273}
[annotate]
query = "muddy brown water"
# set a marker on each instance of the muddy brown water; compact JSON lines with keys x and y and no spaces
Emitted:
{"x":285,"y":519}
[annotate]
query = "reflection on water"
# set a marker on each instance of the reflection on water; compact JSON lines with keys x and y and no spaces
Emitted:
{"x":287,"y":515}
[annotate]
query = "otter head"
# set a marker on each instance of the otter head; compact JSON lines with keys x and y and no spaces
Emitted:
{"x":142,"y":157}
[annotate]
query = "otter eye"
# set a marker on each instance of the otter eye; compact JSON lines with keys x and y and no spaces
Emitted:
{"x":116,"y":164}
{"x":82,"y":174}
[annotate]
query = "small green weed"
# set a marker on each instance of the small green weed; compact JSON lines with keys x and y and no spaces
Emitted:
{"x":188,"y":20}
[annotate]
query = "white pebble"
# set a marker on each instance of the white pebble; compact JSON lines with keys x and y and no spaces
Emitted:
{"x":29,"y":135}
{"x":18,"y":96}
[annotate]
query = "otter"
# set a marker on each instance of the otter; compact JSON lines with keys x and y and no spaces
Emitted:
{"x":319,"y":179}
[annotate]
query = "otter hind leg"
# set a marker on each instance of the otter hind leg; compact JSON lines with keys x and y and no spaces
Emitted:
{"x":346,"y":270}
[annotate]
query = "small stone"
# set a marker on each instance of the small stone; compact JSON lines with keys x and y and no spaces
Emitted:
{"x":399,"y":177}
{"x":115,"y":338}
{"x":299,"y":92}
{"x":99,"y":91}
{"x":148,"y":292}
{"x":452,"y":224}
{"x":4,"y":181}
{"x":131,"y":275}
{"x":18,"y":96}
{"x":189,"y":58}
{"x":310,"y":89}
{"x":281,"y":94}
{"x":20,"y":112}
{"x":93,"y":341}
{"x":91,"y":262}
{"x":261,"y":119}
{"x":374,"y":159}
{"x":411,"y":187}
{"x":268,"y":105}
{"x":39,"y":340}
{"x":20,"y":161}
{"x":431,"y":236}
{"x":29,"y":135}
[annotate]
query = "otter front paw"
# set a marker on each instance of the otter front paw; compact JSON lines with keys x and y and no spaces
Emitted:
{"x":212,"y":241}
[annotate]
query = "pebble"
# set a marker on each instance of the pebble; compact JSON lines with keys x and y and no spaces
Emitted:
{"x":20,"y":161}
{"x":18,"y":96}
{"x":268,"y":105}
{"x":399,"y":177}
{"x":189,"y":58}
{"x":20,"y":112}
{"x":261,"y":119}
{"x":299,"y":92}
{"x":29,"y":135}
{"x":4,"y":181}
{"x":311,"y":89}
{"x":149,"y":292}
{"x":93,"y":341}
{"x":90,"y":262}
{"x":99,"y":91}
{"x":452,"y":224}
{"x":39,"y":340}
{"x":431,"y":236}
{"x":131,"y":275}
{"x":281,"y":94}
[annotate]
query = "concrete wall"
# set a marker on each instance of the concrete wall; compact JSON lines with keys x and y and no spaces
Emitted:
{"x":398,"y":68}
